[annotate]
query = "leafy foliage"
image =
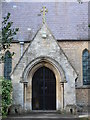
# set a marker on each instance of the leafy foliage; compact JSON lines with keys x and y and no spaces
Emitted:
{"x":80,"y":1}
{"x":8,"y":33}
{"x":89,"y":25}
{"x":6,"y":95}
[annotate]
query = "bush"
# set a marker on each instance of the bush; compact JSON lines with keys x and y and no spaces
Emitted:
{"x":6,"y":95}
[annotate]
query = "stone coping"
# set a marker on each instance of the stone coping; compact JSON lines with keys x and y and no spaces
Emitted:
{"x":83,"y":87}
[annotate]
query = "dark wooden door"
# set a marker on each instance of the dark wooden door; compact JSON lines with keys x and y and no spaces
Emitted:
{"x":44,"y":90}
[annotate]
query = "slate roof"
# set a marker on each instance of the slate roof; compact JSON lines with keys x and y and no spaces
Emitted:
{"x":67,"y":21}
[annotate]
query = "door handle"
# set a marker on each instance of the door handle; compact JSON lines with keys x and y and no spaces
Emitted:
{"x":45,"y":87}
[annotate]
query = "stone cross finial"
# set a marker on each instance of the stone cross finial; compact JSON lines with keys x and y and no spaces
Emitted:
{"x":44,"y":11}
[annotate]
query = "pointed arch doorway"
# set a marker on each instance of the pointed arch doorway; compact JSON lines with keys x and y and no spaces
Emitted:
{"x":44,"y":89}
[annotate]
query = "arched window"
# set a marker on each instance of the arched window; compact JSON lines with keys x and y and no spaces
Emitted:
{"x":86,"y":67}
{"x":7,"y":65}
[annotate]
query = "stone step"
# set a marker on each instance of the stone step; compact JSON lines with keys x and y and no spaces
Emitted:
{"x":42,"y":119}
{"x":43,"y":116}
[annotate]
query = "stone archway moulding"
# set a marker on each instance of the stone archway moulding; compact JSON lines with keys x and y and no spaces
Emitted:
{"x":38,"y":60}
{"x":32,"y":68}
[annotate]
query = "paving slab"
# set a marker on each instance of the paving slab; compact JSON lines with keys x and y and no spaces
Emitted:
{"x":44,"y":116}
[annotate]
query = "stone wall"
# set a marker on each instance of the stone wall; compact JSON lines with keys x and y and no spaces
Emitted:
{"x":82,"y":96}
{"x":44,"y":49}
{"x":83,"y":99}
{"x":15,"y":47}
{"x":73,"y":51}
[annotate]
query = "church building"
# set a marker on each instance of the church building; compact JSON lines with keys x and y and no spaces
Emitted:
{"x":50,"y":70}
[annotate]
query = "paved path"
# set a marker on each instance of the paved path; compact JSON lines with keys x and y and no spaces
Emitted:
{"x":45,"y":116}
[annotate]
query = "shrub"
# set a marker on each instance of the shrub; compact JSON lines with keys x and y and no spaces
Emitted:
{"x":6,"y":90}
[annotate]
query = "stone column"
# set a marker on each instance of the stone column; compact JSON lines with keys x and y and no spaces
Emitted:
{"x":62,"y":83}
{"x":63,"y":93}
{"x":25,"y":86}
